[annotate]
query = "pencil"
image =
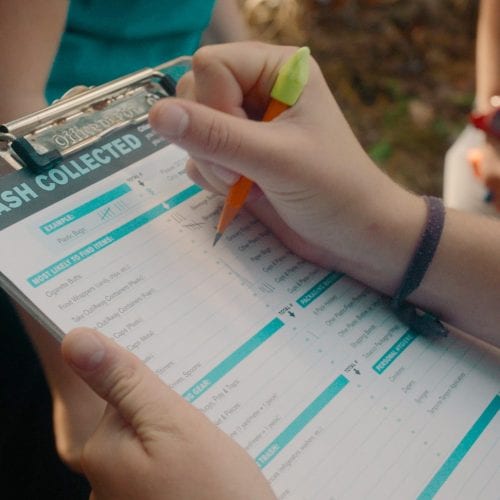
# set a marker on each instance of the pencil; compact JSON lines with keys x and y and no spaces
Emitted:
{"x":291,"y":80}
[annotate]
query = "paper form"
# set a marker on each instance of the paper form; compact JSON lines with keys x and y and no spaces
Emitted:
{"x":305,"y":368}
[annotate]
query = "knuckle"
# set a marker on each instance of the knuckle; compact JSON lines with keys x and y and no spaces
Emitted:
{"x":219,"y":139}
{"x":91,"y":459}
{"x":216,"y":137}
{"x":185,"y":85}
{"x":202,"y":58}
{"x":259,"y":45}
{"x":124,"y":381}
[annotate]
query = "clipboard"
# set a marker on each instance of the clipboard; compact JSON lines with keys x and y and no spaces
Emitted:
{"x":82,"y":117}
{"x":308,"y":370}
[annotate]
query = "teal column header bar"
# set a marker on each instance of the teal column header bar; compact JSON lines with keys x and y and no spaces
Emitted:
{"x":96,"y":246}
{"x":85,"y":209}
{"x":394,"y":352}
{"x":461,"y":450}
{"x":182,"y":196}
{"x":301,"y":421}
{"x":312,"y":294}
{"x":83,"y":253}
{"x":232,"y":360}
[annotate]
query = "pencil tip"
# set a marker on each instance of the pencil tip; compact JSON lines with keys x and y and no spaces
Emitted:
{"x":218,"y":236}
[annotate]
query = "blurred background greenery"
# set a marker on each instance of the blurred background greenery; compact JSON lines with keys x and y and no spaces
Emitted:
{"x":401,"y":70}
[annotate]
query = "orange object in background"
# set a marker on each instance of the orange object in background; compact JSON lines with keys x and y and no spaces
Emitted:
{"x":474,"y":157}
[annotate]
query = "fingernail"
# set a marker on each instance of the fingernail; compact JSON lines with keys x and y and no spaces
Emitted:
{"x":86,"y":351}
{"x":171,"y":120}
{"x":225,"y":175}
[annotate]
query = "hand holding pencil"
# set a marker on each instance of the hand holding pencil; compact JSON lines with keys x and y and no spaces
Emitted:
{"x":318,"y":190}
{"x":309,"y":170}
{"x":290,"y":83}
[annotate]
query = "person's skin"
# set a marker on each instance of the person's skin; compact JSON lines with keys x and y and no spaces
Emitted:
{"x":152,"y":444}
{"x":488,"y":85}
{"x":228,"y":24}
{"x":30,"y":33}
{"x":320,"y":192}
{"x":29,"y":36}
{"x":327,"y":201}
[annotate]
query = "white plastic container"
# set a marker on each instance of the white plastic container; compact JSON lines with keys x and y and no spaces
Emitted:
{"x":461,"y":188}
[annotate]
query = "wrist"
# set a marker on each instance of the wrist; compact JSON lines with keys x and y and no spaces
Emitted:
{"x":486,"y":117}
{"x":386,"y":239}
{"x":486,"y":103}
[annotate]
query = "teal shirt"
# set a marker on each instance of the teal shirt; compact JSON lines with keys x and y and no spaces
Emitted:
{"x":106,"y":39}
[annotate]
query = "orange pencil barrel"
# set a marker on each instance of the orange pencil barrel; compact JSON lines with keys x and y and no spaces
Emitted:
{"x":274,"y":109}
{"x":234,"y":201}
{"x":290,"y":82}
{"x":239,"y":191}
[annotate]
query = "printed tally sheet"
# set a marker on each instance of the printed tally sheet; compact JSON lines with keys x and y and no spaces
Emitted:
{"x":305,"y":368}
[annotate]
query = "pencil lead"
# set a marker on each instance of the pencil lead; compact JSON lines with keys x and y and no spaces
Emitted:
{"x":218,"y":236}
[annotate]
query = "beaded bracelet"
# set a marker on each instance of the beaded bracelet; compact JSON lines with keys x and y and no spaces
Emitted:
{"x":420,"y":322}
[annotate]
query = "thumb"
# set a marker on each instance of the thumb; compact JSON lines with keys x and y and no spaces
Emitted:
{"x":245,"y":146}
{"x":121,"y":379}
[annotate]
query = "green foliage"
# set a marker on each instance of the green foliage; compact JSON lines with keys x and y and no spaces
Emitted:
{"x":381,"y":151}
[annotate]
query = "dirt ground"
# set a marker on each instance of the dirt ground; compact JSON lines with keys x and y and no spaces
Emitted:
{"x":401,"y":70}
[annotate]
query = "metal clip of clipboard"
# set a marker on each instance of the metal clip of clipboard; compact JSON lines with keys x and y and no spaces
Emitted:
{"x":83,"y":116}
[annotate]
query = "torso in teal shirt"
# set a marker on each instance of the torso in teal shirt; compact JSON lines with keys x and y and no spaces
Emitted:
{"x":107,"y":39}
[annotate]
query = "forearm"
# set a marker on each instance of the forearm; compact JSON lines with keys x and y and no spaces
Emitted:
{"x":462,"y":283}
{"x":29,"y":37}
{"x":488,"y":54}
{"x":322,"y":195}
{"x":228,"y":23}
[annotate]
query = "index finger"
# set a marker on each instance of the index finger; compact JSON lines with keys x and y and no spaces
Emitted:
{"x":237,"y":76}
